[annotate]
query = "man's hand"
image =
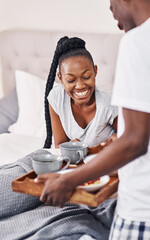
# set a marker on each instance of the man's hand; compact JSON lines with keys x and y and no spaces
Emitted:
{"x":55,"y":192}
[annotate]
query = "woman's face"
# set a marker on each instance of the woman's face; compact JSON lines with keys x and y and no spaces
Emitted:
{"x":78,"y":77}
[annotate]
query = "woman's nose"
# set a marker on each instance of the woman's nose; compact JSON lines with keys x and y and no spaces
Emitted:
{"x":80,"y":84}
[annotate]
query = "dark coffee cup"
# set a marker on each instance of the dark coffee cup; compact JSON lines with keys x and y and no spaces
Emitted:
{"x":75,"y":151}
{"x":44,"y":163}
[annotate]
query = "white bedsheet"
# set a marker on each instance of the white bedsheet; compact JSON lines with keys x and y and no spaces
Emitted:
{"x":15,"y":146}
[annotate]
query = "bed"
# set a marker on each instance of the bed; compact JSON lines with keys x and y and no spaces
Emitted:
{"x":25,"y":59}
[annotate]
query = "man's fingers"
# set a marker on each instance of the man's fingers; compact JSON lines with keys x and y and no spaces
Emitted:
{"x":38,"y":180}
{"x":49,"y":201}
{"x":43,"y":198}
{"x":41,"y":178}
{"x":103,"y":144}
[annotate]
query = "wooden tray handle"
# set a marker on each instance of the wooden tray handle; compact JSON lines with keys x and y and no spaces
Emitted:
{"x":107,"y":191}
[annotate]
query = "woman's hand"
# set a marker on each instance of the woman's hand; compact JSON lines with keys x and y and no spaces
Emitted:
{"x":98,"y":148}
{"x":109,"y":141}
{"x":75,"y":140}
{"x":56,"y":191}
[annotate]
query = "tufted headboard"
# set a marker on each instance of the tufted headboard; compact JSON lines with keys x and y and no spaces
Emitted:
{"x":32,"y":51}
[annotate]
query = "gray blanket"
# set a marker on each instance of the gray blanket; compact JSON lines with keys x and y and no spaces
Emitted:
{"x":25,"y":217}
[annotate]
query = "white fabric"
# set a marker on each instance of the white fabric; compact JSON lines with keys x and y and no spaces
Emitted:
{"x":28,"y":133}
{"x":86,"y":237}
{"x":15,"y":146}
{"x":98,"y":130}
{"x":30,"y":93}
{"x":132,"y":91}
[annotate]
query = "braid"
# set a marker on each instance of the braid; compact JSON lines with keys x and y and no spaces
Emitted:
{"x":66,"y":47}
{"x":49,"y":86}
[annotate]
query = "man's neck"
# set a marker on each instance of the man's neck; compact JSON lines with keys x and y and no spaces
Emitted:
{"x":141,"y":12}
{"x":141,"y":20}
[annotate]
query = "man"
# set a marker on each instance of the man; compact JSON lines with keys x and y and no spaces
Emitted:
{"x":130,"y":153}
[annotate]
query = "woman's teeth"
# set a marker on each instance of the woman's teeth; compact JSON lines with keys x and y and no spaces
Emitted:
{"x":81,"y":93}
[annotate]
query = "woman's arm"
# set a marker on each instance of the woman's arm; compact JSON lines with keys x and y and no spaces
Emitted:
{"x":101,"y":146}
{"x":115,"y":124}
{"x":113,"y":137}
{"x":57,"y":128}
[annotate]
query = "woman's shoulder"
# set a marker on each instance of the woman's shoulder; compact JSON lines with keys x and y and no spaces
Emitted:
{"x":103,"y":96}
{"x":56,"y":92}
{"x":56,"y":97}
{"x":103,"y":103}
{"x":57,"y":88}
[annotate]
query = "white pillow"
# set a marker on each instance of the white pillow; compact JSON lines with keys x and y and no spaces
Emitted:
{"x":30,"y":93}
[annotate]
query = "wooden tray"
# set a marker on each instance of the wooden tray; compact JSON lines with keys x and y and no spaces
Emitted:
{"x":25,"y":184}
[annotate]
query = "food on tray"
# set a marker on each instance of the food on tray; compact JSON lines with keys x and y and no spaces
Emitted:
{"x":96,"y":181}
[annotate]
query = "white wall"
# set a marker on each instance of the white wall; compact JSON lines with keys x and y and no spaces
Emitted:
{"x":69,"y":15}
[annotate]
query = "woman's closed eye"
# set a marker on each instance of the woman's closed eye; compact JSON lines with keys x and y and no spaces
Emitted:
{"x":86,"y":77}
{"x":70,"y":80}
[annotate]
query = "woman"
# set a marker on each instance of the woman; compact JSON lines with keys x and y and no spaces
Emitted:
{"x":76,"y":110}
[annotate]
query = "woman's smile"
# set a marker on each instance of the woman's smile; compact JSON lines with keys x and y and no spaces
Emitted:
{"x":81,"y":94}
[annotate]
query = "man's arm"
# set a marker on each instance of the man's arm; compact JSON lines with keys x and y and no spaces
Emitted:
{"x":132,"y":144}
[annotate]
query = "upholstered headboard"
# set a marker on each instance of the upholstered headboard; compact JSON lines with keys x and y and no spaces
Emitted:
{"x":32,"y":51}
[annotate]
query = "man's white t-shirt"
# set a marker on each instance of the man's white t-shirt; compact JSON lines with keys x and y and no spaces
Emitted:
{"x":132,"y":91}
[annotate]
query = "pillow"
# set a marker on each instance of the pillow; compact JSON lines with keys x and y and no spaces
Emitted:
{"x":8,"y":110}
{"x":30,"y":93}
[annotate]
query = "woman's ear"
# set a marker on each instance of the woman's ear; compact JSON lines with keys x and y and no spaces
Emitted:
{"x":95,"y":70}
{"x":59,"y":76}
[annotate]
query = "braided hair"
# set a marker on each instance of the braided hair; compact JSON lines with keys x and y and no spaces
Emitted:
{"x":66,"y":48}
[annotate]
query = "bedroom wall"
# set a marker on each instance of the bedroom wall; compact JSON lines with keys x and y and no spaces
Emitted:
{"x":68,"y":15}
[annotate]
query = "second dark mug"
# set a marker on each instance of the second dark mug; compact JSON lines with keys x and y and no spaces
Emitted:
{"x":75,"y":151}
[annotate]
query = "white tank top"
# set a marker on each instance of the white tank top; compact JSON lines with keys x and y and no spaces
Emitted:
{"x":98,"y":130}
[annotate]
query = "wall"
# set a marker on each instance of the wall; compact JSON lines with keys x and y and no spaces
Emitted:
{"x":68,"y":15}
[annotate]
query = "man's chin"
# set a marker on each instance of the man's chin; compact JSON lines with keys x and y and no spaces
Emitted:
{"x":120,"y":26}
